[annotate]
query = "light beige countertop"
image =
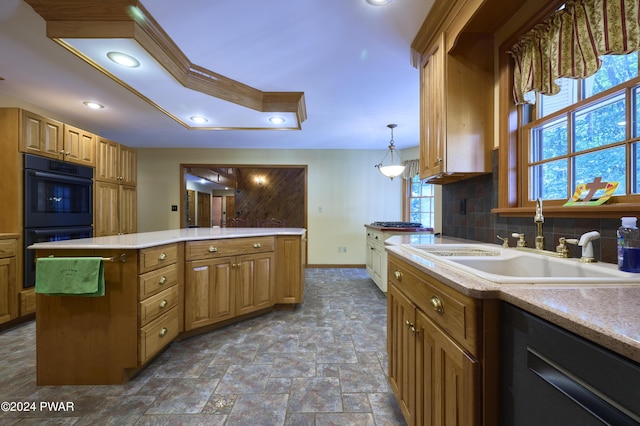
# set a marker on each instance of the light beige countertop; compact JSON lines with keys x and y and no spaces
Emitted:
{"x":607,"y":314}
{"x":158,"y":238}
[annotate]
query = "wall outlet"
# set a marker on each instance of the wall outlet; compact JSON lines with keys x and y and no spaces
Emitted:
{"x":174,"y":208}
{"x":342,"y":249}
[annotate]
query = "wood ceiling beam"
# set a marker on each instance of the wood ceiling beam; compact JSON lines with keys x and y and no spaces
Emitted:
{"x":130,"y":19}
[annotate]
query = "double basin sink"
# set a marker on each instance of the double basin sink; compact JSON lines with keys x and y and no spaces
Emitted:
{"x":512,"y":266}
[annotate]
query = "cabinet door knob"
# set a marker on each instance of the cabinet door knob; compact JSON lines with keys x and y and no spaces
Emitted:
{"x":163,"y":303}
{"x":398,"y":275}
{"x":436,"y":304}
{"x":213,"y":249}
{"x":163,"y":332}
{"x":162,"y":280}
{"x":162,"y":256}
{"x":257,"y":245}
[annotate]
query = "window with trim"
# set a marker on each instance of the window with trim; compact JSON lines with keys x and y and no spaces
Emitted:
{"x":420,"y":202}
{"x":573,"y":72}
{"x":588,"y":130}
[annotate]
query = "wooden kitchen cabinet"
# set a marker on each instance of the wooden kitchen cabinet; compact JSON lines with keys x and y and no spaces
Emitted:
{"x":8,"y":290}
{"x":456,"y":108}
{"x":41,"y":135}
{"x":116,"y":163}
{"x":228,"y":278}
{"x":436,"y":345}
{"x":79,"y":146}
{"x":115,"y":195}
{"x":50,"y":138}
{"x":290,"y":265}
{"x":115,"y":209}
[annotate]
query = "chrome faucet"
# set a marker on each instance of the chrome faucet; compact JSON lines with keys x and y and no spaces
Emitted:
{"x":539,"y":220}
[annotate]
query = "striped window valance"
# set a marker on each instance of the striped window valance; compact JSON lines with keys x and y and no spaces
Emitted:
{"x":570,"y":42}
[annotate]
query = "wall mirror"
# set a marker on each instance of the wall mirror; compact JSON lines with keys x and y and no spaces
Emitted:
{"x":243,"y":195}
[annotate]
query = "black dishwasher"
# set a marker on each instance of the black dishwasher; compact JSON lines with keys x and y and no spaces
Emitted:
{"x":550,"y":376}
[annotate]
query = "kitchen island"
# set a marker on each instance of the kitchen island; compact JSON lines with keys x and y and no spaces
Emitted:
{"x":160,"y":286}
{"x":445,"y":329}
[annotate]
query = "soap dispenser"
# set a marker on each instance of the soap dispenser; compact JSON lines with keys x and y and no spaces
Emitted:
{"x":629,"y":245}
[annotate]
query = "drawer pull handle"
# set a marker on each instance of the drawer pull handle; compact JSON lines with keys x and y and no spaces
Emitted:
{"x":163,"y":303}
{"x":257,"y":245}
{"x":163,"y":332}
{"x":398,"y":275}
{"x":162,"y":256}
{"x":213,"y":249}
{"x":436,"y":304}
{"x":162,"y":280}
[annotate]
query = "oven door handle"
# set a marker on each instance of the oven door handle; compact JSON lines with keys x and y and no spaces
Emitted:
{"x":53,"y":231}
{"x":62,"y":178}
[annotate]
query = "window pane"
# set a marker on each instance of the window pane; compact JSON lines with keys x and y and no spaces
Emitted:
{"x":636,"y":112}
{"x":549,"y":140}
{"x":421,"y":202}
{"x":616,"y":69}
{"x":635,"y":184}
{"x":600,"y":124}
{"x":609,"y":164}
{"x":568,"y":96}
{"x":549,"y":180}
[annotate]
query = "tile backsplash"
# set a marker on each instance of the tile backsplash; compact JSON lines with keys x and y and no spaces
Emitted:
{"x":466,"y":213}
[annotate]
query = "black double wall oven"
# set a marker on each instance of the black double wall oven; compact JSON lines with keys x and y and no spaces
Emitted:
{"x":58,"y":205}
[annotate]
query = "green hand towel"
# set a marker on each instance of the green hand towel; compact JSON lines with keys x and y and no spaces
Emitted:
{"x":70,"y":276}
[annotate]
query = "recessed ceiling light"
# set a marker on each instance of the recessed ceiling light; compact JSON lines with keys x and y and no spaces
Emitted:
{"x":123,"y":59}
{"x":378,"y":2}
{"x":93,"y":105}
{"x":198,"y":119}
{"x":277,"y":120}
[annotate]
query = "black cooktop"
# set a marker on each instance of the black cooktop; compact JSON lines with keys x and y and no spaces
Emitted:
{"x":398,"y":224}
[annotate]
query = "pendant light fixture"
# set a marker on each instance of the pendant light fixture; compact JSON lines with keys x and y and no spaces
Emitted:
{"x":392,"y":169}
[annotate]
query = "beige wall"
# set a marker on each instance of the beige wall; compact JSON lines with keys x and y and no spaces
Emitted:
{"x":345,"y":192}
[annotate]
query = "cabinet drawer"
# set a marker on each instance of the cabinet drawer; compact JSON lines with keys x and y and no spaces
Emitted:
{"x":157,"y":334}
{"x":375,"y":237}
{"x":197,"y":250}
{"x":454,"y":312}
{"x":157,"y":257}
{"x":154,"y":306}
{"x":7,"y":248}
{"x":155,"y":281}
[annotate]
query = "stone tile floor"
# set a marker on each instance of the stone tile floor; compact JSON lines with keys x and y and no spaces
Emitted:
{"x":323,"y":364}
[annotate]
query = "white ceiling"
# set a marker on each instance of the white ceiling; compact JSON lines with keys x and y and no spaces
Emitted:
{"x":350,"y":59}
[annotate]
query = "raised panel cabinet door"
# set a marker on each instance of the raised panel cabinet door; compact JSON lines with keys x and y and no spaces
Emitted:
{"x":128,"y":208}
{"x":255,"y":282}
{"x":425,"y":413}
{"x":401,"y":345}
{"x":128,"y":165}
{"x":79,"y":146}
{"x":8,"y":293}
{"x":377,"y":259}
{"x":432,"y":111}
{"x":106,"y":209}
{"x":40,"y":135}
{"x":290,"y":260}
{"x":208,"y":292}
{"x":107,"y":160}
{"x":456,"y":383}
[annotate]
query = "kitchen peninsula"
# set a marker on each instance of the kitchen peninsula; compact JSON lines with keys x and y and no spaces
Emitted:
{"x":160,"y":286}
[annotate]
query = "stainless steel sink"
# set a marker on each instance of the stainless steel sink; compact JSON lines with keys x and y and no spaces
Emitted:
{"x":510,"y":266}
